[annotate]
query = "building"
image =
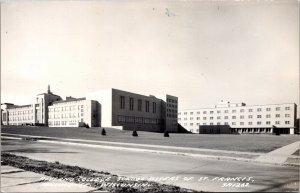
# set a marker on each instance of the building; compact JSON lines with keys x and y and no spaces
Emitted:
{"x":129,"y":111}
{"x":108,"y":108}
{"x":74,"y":112}
{"x":47,"y":111}
{"x":241,"y":118}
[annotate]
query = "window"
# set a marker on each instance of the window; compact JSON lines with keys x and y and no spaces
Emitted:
{"x":147,"y":106}
{"x":287,"y":108}
{"x":131,"y":104}
{"x":140,"y":105}
{"x":204,"y":123}
{"x":204,"y":118}
{"x":233,"y":123}
{"x":198,"y":118}
{"x":225,"y":123}
{"x":258,"y":109}
{"x":258,"y":116}
{"x":211,"y":118}
{"x":185,"y":124}
{"x":249,"y":123}
{"x":268,"y":116}
{"x":185,"y":118}
{"x":226,"y":117}
{"x":287,"y":115}
{"x":218,"y":123}
{"x":191,"y":118}
{"x":242,"y":110}
{"x":179,"y":113}
{"x":250,"y":110}
{"x":268,"y":123}
{"x":218,"y":112}
{"x":204,"y":112}
{"x":122,"y":102}
{"x":191,"y":113}
{"x":258,"y":123}
{"x":241,"y":123}
{"x":211,"y":123}
{"x":211,"y":112}
{"x":198,"y":112}
{"x":154,"y":107}
{"x":277,"y":108}
{"x":218,"y":117}
{"x":277,"y":122}
{"x":233,"y":117}
{"x":233,"y":111}
{"x":185,"y":113}
{"x":250,"y":116}
{"x":242,"y":117}
{"x":191,"y":124}
{"x":226,"y":111}
{"x":277,"y":115}
{"x":287,"y":122}
{"x":268,"y":109}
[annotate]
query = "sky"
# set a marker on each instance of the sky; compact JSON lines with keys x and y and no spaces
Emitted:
{"x":200,"y":51}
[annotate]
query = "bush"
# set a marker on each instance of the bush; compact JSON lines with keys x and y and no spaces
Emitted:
{"x":87,"y":126}
{"x":103,"y":132}
{"x":166,"y":133}
{"x":134,"y":133}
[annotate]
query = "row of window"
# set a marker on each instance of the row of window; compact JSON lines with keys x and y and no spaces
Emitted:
{"x":138,"y":120}
{"x":234,"y":111}
{"x":68,"y":108}
{"x":241,"y":123}
{"x":20,"y":112}
{"x":234,"y":117}
{"x":20,"y":118}
{"x":63,"y":123}
{"x":139,"y":104}
{"x":171,"y":105}
{"x":172,"y":101}
{"x":70,"y":115}
{"x":172,"y":115}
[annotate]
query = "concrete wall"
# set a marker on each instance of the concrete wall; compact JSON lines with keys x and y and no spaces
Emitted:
{"x":104,"y":97}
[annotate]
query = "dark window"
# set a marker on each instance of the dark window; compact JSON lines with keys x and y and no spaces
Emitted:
{"x":147,"y":106}
{"x":154,"y":107}
{"x":122,"y":102}
{"x":131,"y":103}
{"x":139,"y":105}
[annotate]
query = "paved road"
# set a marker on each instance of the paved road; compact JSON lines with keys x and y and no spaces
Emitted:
{"x":141,"y":164}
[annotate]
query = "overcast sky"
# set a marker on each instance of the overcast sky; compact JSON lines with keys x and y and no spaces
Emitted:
{"x":199,"y":51}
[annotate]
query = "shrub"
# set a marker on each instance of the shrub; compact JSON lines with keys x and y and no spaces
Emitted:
{"x":134,"y":133}
{"x":103,"y":132}
{"x":166,"y":133}
{"x":87,"y":126}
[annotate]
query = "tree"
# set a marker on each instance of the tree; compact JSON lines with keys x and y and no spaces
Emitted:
{"x":166,"y":133}
{"x":103,"y":132}
{"x":134,"y":133}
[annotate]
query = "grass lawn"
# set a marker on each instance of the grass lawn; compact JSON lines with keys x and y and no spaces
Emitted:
{"x":247,"y":142}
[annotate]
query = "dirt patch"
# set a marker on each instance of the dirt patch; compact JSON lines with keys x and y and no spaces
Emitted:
{"x":100,"y":180}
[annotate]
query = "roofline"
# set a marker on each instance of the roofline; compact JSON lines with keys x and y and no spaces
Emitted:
{"x":238,"y":106}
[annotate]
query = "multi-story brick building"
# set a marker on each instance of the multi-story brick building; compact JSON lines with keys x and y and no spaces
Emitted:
{"x":241,"y":118}
{"x":129,"y":111}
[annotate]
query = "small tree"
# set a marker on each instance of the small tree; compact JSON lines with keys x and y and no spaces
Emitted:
{"x":166,"y":133}
{"x":87,"y":126}
{"x":134,"y":133}
{"x":103,"y":132}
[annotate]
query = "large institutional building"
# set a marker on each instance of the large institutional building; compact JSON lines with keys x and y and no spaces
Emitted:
{"x":227,"y":117}
{"x":108,"y":108}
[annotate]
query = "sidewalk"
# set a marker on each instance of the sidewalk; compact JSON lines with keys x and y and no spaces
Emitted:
{"x":18,"y":180}
{"x":280,"y":155}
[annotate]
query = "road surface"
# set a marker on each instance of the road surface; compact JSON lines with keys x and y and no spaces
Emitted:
{"x":200,"y":174}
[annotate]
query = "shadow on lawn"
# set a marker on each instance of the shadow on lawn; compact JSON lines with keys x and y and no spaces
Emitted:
{"x":35,"y":150}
